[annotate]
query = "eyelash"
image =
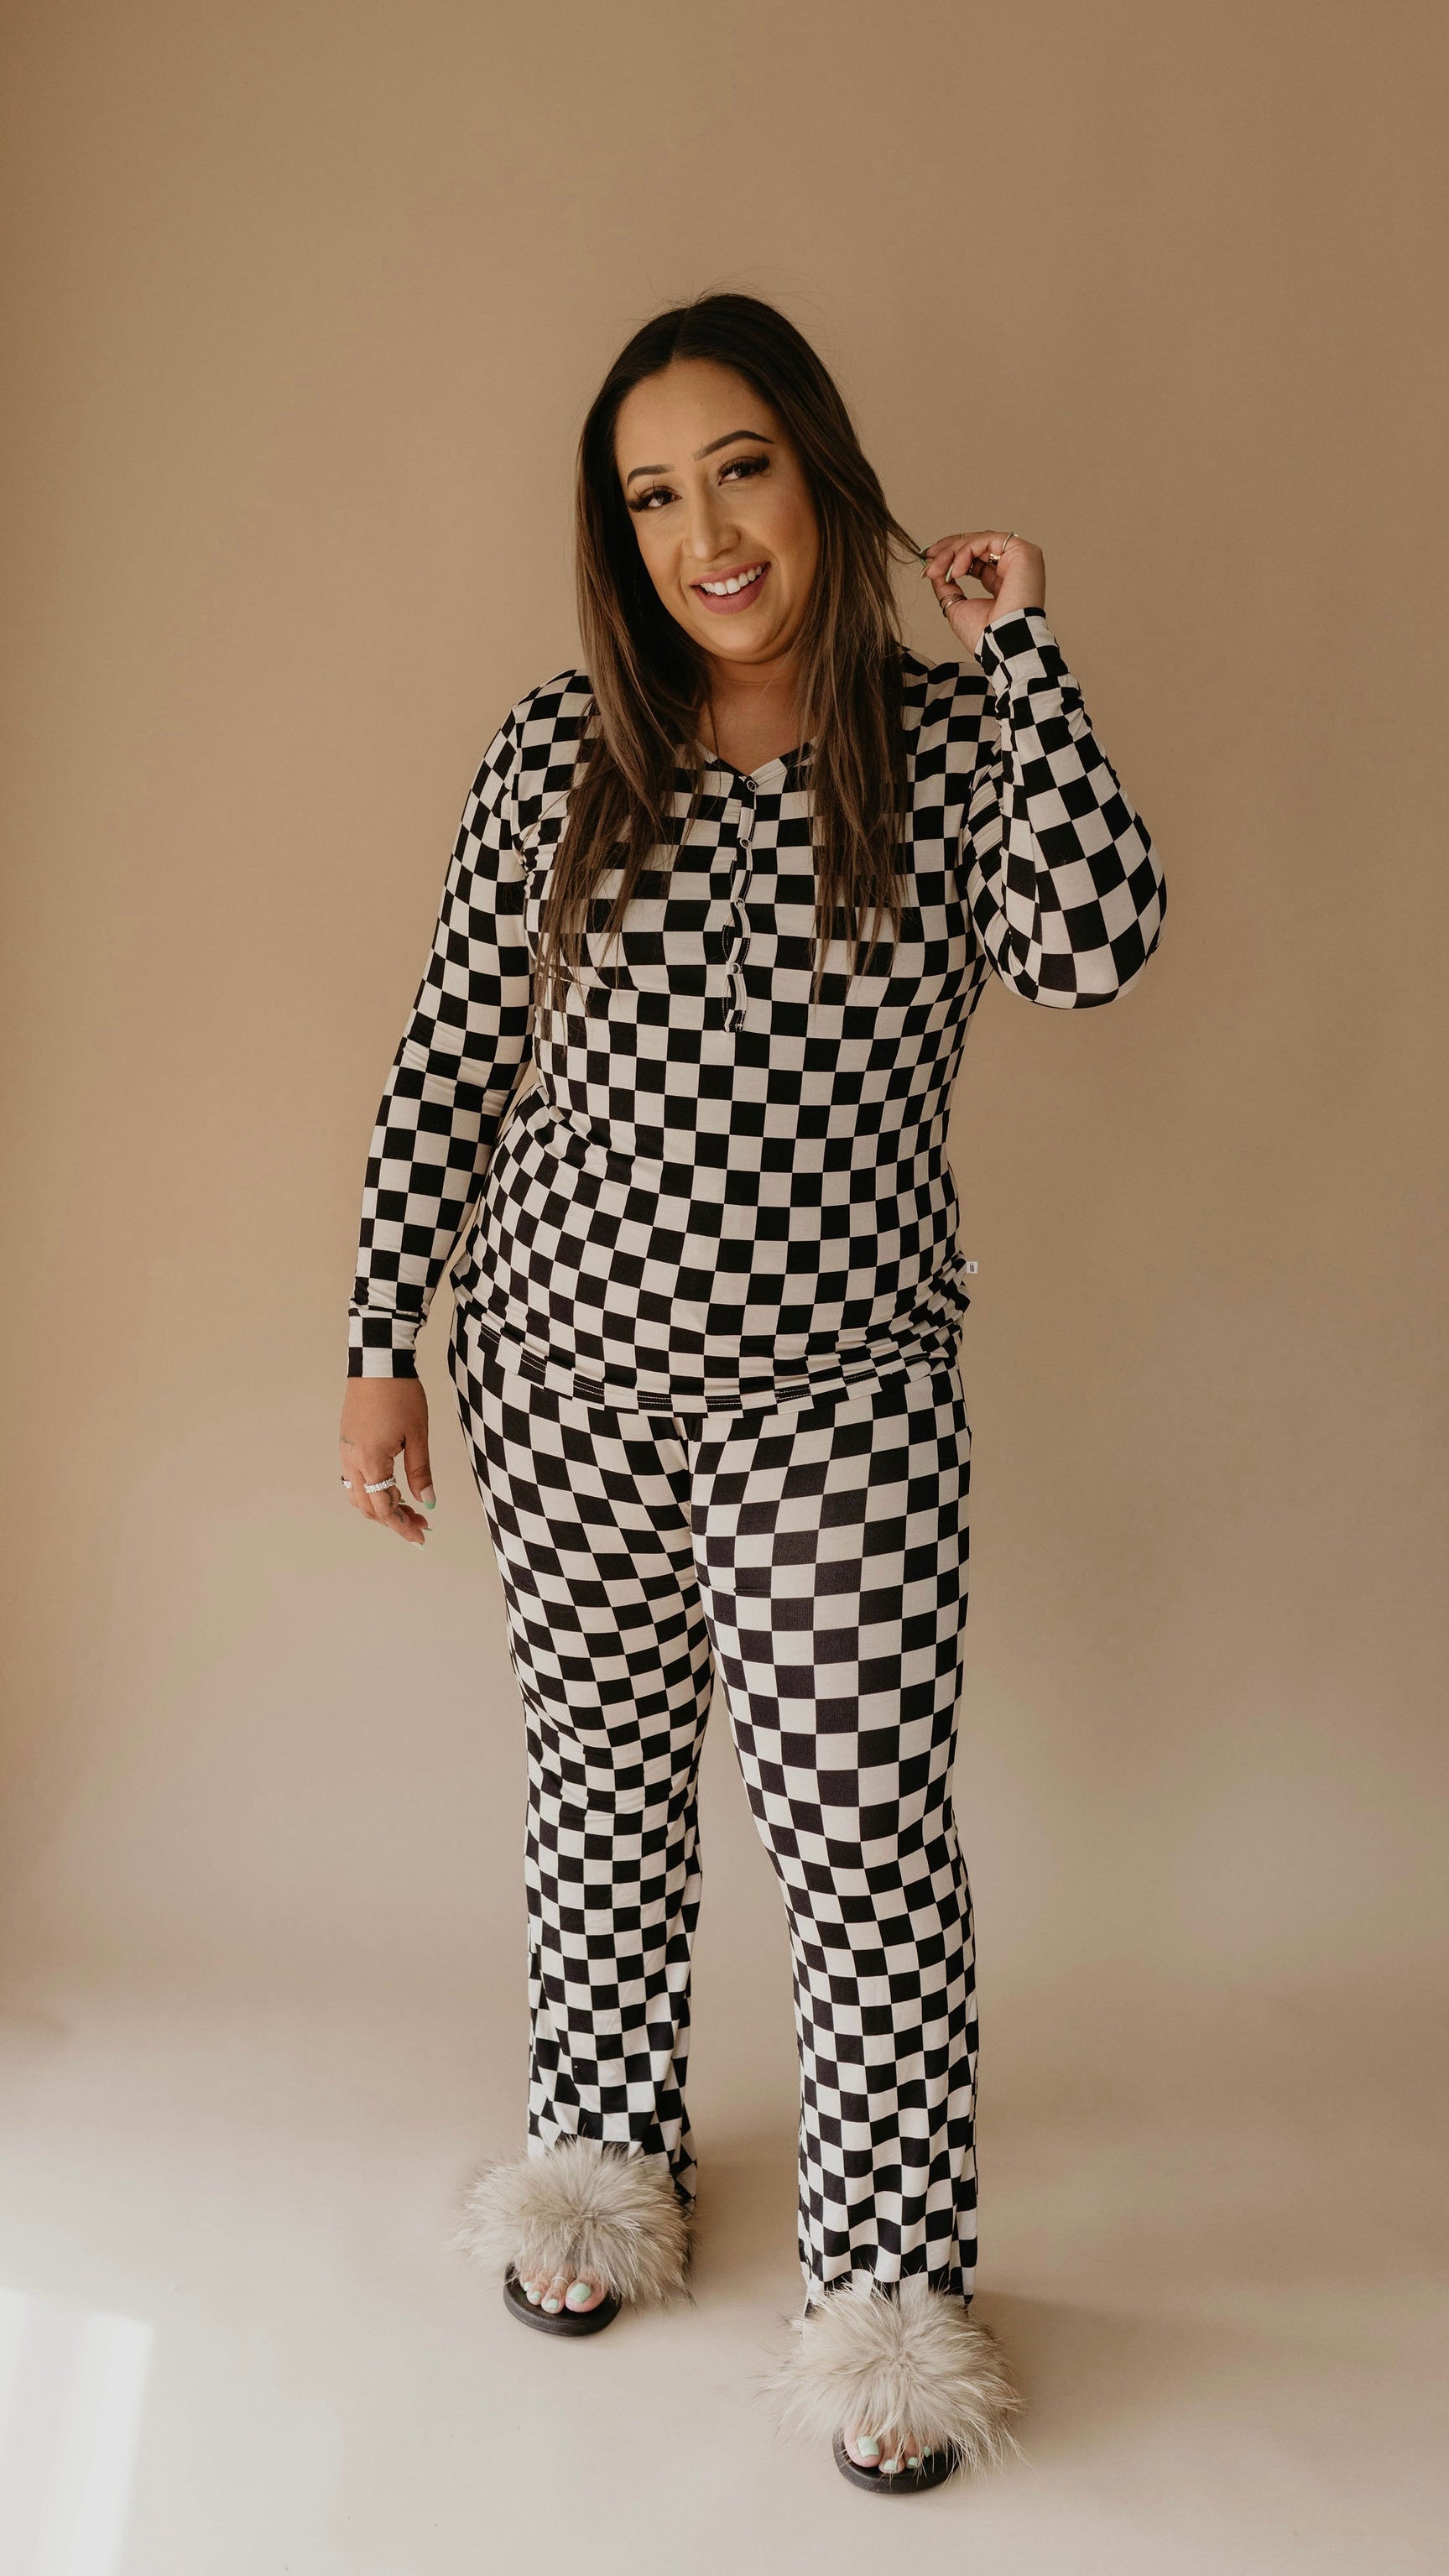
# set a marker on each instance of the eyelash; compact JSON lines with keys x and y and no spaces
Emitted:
{"x":745,"y":465}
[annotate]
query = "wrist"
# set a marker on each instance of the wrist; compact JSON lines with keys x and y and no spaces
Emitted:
{"x":1009,"y":631}
{"x":373,"y":1360}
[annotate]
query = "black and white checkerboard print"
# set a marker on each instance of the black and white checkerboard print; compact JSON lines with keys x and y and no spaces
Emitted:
{"x":817,"y":1554}
{"x":722,"y":1191}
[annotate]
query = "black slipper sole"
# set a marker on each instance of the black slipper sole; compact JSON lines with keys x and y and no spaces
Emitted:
{"x":931,"y":2473}
{"x":568,"y":2321}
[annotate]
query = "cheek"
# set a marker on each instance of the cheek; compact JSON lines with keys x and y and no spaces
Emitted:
{"x":794,"y":521}
{"x":656,"y":551}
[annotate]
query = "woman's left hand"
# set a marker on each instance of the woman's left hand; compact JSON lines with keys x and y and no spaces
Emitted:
{"x":1009,"y":567}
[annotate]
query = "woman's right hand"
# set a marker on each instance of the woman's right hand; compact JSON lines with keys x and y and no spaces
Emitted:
{"x":380,"y":1417}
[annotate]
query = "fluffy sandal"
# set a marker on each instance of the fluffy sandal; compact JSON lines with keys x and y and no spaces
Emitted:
{"x":579,"y":2206}
{"x":908,"y":2359}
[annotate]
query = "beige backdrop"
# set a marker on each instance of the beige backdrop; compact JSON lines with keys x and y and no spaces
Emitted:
{"x":307,"y":303}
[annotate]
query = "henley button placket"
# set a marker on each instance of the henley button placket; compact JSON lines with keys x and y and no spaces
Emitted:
{"x":737,"y":936}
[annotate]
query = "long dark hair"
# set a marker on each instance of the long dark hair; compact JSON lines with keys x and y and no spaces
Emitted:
{"x":650,"y":681}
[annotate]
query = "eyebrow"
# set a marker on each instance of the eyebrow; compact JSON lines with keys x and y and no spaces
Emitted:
{"x":703,"y":451}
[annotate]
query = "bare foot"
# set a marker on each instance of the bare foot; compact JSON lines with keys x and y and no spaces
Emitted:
{"x":562,"y":2292}
{"x":889,"y":2452}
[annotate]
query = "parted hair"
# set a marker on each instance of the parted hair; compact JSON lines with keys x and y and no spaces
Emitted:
{"x":650,"y":681}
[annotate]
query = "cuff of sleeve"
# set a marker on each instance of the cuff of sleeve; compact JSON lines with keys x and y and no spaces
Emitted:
{"x":1005,"y":639}
{"x":381,"y":1345}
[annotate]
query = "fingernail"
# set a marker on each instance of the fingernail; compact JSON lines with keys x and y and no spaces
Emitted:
{"x":867,"y":2446}
{"x":578,"y":2294}
{"x":552,"y":2306}
{"x":428,"y":1499}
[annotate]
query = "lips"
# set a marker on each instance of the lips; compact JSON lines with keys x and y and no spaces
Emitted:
{"x":751,"y":577}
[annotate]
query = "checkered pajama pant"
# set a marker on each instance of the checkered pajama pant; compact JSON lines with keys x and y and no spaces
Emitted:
{"x":816,"y":1556}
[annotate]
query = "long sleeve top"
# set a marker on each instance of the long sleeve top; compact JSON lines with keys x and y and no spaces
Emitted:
{"x":722,"y":1190}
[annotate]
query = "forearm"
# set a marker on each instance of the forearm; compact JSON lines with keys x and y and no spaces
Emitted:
{"x":1064,"y":885}
{"x":425,"y":1170}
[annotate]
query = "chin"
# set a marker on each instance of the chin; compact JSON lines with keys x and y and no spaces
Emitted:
{"x":724,"y":636}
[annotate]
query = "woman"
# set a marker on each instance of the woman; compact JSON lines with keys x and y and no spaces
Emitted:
{"x":735,"y":889}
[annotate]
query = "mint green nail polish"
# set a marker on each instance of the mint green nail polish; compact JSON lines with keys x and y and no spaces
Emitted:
{"x":868,"y":2448}
{"x":552,"y":2306}
{"x":578,"y":2294}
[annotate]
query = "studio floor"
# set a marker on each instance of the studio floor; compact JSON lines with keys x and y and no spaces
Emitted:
{"x":234,"y":2338}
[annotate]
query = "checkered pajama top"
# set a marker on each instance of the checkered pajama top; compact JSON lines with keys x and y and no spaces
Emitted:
{"x":718,"y":1191}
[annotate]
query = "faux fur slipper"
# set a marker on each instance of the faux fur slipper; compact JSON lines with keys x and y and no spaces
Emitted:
{"x":579,"y":2206}
{"x":908,"y":2359}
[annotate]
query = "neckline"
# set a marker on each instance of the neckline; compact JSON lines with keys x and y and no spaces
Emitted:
{"x":783,"y":760}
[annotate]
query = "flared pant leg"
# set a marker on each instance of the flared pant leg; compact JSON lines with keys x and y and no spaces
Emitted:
{"x":831,"y":1542}
{"x":588,"y":1516}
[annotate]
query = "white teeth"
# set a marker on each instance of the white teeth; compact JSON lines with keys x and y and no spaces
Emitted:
{"x":738,"y":581}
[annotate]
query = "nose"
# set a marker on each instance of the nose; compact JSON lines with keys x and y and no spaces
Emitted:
{"x":712,"y":527}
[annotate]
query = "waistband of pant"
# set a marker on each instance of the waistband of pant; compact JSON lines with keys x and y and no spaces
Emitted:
{"x":925,"y":1352}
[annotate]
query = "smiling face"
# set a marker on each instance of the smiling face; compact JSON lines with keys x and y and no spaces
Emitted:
{"x":724,"y":515}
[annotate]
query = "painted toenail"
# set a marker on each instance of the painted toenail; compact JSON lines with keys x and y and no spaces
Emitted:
{"x":579,"y":2293}
{"x":914,"y":2460}
{"x":532,"y":2297}
{"x":551,"y":2306}
{"x":889,"y":2467}
{"x":867,"y":2446}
